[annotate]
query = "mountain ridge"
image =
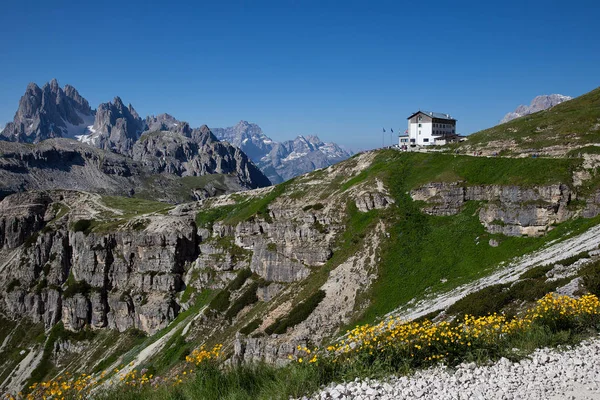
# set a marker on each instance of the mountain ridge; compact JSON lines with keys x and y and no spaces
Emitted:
{"x":539,"y":103}
{"x":282,"y":160}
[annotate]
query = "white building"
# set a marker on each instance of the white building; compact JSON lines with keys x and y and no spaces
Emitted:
{"x":427,"y":128}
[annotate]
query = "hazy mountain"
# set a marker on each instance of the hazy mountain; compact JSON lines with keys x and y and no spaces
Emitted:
{"x":157,"y":145}
{"x":538,"y":104}
{"x":281,"y":161}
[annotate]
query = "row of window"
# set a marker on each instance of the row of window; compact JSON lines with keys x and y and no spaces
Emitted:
{"x":441,"y":132}
{"x":446,"y":126}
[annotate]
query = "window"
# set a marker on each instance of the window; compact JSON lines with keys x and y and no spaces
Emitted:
{"x":420,"y":118}
{"x":412,"y":140}
{"x":419,"y":132}
{"x":425,"y":140}
{"x":419,"y":125}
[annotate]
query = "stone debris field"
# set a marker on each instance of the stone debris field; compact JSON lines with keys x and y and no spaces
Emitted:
{"x":546,"y":374}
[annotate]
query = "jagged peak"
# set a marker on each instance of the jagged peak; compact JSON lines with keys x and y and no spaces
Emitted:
{"x":118,"y":102}
{"x":32,"y":86}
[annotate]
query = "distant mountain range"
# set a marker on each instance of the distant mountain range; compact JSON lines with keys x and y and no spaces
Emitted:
{"x":540,"y":103}
{"x":54,"y":112}
{"x":116,"y":152}
{"x":281,"y":161}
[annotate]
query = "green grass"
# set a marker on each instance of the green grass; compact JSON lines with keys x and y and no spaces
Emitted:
{"x":570,"y":123}
{"x":134,"y":206}
{"x":423,"y":250}
{"x":295,"y":380}
{"x":244,"y":210}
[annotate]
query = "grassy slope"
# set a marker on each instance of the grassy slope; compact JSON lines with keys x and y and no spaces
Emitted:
{"x":423,"y":250}
{"x":569,"y":123}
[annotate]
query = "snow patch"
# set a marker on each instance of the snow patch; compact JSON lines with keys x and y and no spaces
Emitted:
{"x":293,"y":156}
{"x":72,"y":131}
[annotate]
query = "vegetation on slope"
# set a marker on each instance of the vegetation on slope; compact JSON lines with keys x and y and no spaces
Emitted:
{"x":393,"y":346}
{"x":572,"y":123}
{"x":431,"y":253}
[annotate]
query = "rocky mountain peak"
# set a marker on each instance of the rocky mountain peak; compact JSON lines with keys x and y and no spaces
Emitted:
{"x":54,"y":85}
{"x":281,"y":160}
{"x":116,"y":127}
{"x":539,"y":103}
{"x":48,"y":112}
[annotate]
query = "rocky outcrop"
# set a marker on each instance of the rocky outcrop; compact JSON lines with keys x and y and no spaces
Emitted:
{"x":200,"y":154}
{"x":537,"y":104}
{"x":509,"y":210}
{"x":156,"y":170}
{"x":118,"y":280}
{"x":48,"y":112}
{"x":166,"y":122}
{"x":116,"y":127}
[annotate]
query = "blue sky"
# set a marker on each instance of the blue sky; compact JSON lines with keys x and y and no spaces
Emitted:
{"x":342,"y":70}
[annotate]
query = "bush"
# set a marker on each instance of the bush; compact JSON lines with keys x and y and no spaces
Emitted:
{"x":220,"y":302}
{"x":591,"y":278}
{"x":247,"y":298}
{"x":571,"y":260}
{"x":272,"y":247}
{"x":487,"y":300}
{"x":74,"y":288}
{"x":251,"y":327}
{"x":12,"y":285}
{"x":297,"y":315}
{"x":239,"y":280}
{"x":316,"y":207}
{"x":83,"y":225}
{"x":536,"y":273}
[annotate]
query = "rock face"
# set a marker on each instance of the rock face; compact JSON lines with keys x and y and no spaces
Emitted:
{"x":118,"y":280}
{"x":166,"y":122}
{"x":116,"y":127}
{"x":285,"y":160}
{"x":153,"y":173}
{"x":126,"y":164}
{"x":539,"y":103}
{"x":49,"y":112}
{"x":199,"y":154}
{"x":509,"y":210}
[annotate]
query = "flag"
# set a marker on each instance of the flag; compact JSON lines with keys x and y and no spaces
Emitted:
{"x":392,"y":130}
{"x":406,"y":131}
{"x":384,"y":129}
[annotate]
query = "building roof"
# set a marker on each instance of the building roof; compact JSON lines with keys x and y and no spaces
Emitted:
{"x":433,"y":115}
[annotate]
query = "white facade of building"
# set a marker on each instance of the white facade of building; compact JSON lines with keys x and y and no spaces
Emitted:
{"x":428,"y":128}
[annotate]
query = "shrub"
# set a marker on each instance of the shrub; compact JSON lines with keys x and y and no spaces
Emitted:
{"x":487,"y":300}
{"x":297,"y":315}
{"x":316,"y":207}
{"x":247,"y":298}
{"x":220,"y":302}
{"x":571,"y":260}
{"x":239,"y":280}
{"x":272,"y":247}
{"x":13,"y":284}
{"x":76,"y":287}
{"x":536,"y":273}
{"x":83,"y":225}
{"x":591,"y":278}
{"x":251,"y":327}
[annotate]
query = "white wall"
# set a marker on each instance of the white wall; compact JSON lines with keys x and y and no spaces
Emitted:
{"x":419,"y":134}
